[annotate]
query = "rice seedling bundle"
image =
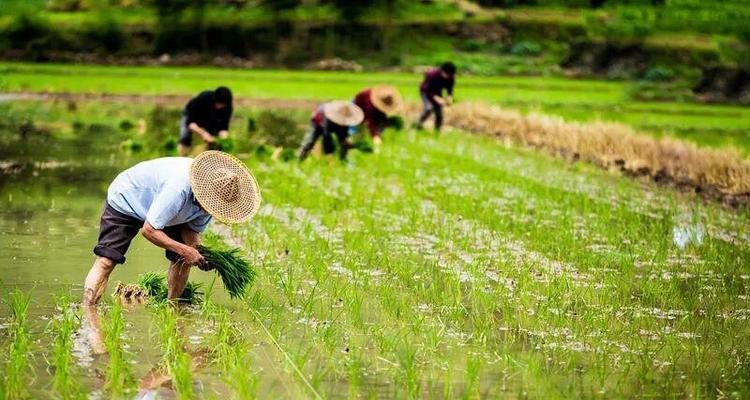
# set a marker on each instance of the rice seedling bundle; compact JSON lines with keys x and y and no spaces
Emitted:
{"x":234,"y":270}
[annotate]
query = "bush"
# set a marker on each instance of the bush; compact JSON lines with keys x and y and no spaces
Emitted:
{"x":131,"y":146}
{"x":627,"y":24}
{"x":659,"y":74}
{"x":526,"y":48}
{"x":126,"y":125}
{"x":106,"y":34}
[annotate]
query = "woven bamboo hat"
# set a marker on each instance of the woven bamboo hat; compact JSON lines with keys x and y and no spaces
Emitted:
{"x":224,"y":187}
{"x":386,"y":98}
{"x":344,"y":113}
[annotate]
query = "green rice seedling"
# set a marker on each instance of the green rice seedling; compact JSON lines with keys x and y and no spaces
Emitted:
{"x":174,"y":358}
{"x":155,"y":285}
{"x":193,"y":293}
{"x":119,"y":378}
{"x":234,"y":270}
{"x":65,"y":381}
{"x":15,"y":378}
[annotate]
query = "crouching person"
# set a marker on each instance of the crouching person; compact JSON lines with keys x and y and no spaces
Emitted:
{"x":170,"y":200}
{"x":378,"y":103}
{"x":332,"y":119}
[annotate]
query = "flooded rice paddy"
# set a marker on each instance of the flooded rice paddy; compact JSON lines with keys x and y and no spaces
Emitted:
{"x":441,"y":267}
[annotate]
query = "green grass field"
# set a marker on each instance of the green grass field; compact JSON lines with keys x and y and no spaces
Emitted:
{"x":450,"y":266}
{"x":584,"y":100}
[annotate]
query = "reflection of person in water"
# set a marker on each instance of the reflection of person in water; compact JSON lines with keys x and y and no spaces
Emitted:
{"x":157,"y":377}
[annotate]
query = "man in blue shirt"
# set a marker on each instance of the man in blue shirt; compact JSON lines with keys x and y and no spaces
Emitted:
{"x":171,"y":201}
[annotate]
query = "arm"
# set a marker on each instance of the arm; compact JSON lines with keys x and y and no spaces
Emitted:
{"x":200,"y":132}
{"x":190,"y":255}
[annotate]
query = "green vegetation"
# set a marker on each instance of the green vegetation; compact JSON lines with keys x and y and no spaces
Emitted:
{"x":231,"y":266}
{"x":119,"y":376}
{"x":155,"y":285}
{"x":578,"y":100}
{"x":442,"y":267}
{"x":176,"y":360}
{"x":16,"y":372}
{"x":65,"y":382}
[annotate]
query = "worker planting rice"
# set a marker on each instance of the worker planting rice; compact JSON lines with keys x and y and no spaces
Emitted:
{"x":431,"y":90}
{"x":206,"y":115}
{"x":378,"y":103}
{"x":332,"y":119}
{"x":171,"y":201}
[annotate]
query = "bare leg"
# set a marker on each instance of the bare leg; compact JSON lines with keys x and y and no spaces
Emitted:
{"x":179,"y":272}
{"x":177,"y":279}
{"x":94,"y":330}
{"x":96,"y":280}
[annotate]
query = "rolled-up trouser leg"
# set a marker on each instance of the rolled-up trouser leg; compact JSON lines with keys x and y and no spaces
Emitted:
{"x":309,"y":141}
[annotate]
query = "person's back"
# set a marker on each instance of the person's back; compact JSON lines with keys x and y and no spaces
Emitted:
{"x":157,"y":191}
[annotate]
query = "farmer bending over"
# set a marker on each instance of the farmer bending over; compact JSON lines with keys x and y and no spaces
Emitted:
{"x":378,"y":103}
{"x":207,"y":115}
{"x":431,"y":90}
{"x":170,"y":200}
{"x":332,"y":118}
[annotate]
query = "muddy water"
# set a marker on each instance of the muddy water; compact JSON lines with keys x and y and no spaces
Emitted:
{"x":49,"y":220}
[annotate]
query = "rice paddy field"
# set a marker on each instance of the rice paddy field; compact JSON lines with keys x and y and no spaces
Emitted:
{"x":451,"y":266}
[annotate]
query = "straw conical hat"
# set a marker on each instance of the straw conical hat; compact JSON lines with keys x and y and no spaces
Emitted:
{"x":343,"y":113}
{"x":386,"y":98}
{"x":224,"y":187}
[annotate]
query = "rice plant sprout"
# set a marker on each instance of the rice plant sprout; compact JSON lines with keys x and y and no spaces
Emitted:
{"x":15,"y":374}
{"x":65,"y":382}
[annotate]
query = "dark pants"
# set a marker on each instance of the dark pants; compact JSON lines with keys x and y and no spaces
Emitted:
{"x":314,"y":132}
{"x":117,"y":230}
{"x":429,"y":106}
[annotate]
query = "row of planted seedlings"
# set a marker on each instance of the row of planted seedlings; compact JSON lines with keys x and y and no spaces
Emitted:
{"x":609,"y":270}
{"x":561,"y":287}
{"x":395,"y":321}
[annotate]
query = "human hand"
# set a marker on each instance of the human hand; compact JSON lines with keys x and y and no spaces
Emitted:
{"x":224,"y":134}
{"x":439,"y":100}
{"x":449,"y":100}
{"x":191,"y":256}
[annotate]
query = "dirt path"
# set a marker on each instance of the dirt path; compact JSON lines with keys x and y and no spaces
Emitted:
{"x":179,"y":100}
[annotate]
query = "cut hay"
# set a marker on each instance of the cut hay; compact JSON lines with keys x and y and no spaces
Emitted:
{"x":234,"y":270}
{"x":616,"y":146}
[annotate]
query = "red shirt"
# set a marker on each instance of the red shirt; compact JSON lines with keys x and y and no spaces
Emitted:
{"x":434,"y":83}
{"x":376,"y":119}
{"x":318,"y":117}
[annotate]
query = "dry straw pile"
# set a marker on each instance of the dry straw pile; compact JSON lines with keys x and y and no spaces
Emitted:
{"x":721,"y":172}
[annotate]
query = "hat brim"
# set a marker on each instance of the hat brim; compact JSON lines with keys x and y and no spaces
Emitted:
{"x":332,"y":111}
{"x":380,"y":92}
{"x":212,"y":165}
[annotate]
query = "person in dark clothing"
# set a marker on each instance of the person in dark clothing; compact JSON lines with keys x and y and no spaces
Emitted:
{"x":378,"y":103}
{"x":331,"y":119}
{"x":431,"y":90}
{"x":207,"y":115}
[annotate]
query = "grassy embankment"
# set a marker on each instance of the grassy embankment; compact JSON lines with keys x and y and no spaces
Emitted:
{"x":580,"y":100}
